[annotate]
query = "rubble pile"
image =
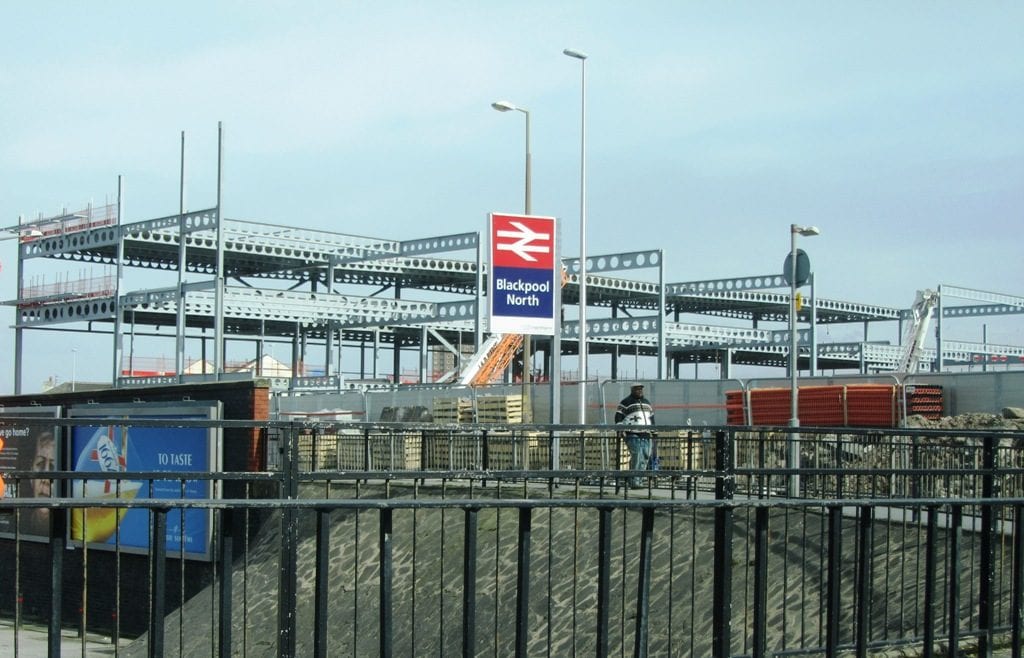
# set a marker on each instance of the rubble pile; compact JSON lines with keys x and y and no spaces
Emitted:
{"x":1011,"y":418}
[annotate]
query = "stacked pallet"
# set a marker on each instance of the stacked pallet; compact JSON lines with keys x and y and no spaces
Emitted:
{"x":506,"y":450}
{"x":396,"y":451}
{"x":500,"y":409}
{"x":437,"y":451}
{"x":447,"y":450}
{"x":452,"y":410}
{"x":593,"y":451}
{"x":318,"y":452}
{"x":680,"y":450}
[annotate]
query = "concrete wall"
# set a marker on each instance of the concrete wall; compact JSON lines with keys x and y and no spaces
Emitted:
{"x":677,"y":402}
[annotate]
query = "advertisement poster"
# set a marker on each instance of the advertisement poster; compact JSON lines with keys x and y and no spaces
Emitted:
{"x":115,"y":445}
{"x":28,"y":448}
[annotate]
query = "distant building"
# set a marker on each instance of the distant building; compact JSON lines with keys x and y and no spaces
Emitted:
{"x":268,"y":366}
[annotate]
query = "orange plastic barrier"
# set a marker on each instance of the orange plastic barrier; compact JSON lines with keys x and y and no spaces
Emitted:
{"x":851,"y":405}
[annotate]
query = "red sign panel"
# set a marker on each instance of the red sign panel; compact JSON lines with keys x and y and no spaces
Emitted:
{"x":522,"y":280}
{"x":523,"y":241}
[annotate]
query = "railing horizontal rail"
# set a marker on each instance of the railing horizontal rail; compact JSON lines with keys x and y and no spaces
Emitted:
{"x":496,"y":540}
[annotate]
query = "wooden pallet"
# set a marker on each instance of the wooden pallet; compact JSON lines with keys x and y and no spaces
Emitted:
{"x":396,"y":452}
{"x":500,"y":408}
{"x":452,"y":410}
{"x":445,"y":450}
{"x":518,"y":450}
{"x":680,"y":449}
{"x":594,"y":451}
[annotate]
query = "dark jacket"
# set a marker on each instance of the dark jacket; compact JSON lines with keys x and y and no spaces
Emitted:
{"x":635,"y":411}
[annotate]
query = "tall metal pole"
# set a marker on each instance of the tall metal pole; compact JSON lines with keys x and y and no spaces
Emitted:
{"x":583,"y":232}
{"x":794,"y":419}
{"x":218,"y":329}
{"x":793,"y":457}
{"x":179,"y":329}
{"x":19,"y":332}
{"x":505,"y":106}
{"x":527,"y":343}
{"x":119,"y":286}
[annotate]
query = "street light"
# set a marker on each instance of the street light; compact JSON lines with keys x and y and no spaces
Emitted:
{"x":505,"y":106}
{"x":21,"y":234}
{"x":583,"y":230}
{"x":794,"y":357}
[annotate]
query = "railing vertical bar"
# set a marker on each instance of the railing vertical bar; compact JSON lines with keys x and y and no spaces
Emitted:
{"x":834,"y":591}
{"x":931,"y":574}
{"x":725,"y":486}
{"x":366,"y":450}
{"x":986,"y":618}
{"x":58,"y":527}
{"x":604,"y":558}
{"x":182,"y":489}
{"x":469,"y":583}
{"x":523,"y":581}
{"x":227,"y":532}
{"x":157,"y":581}
{"x":760,"y":582}
{"x":643,"y":594}
{"x":955,"y":535}
{"x":485,"y":442}
{"x":320,"y":598}
{"x":865,"y":554}
{"x":386,"y":578}
{"x":1017,"y":605}
{"x":287,"y":576}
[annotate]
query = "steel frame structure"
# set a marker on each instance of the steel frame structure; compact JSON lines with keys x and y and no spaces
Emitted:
{"x":257,"y":281}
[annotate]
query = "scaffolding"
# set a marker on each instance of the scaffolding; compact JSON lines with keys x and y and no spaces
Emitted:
{"x":257,"y":283}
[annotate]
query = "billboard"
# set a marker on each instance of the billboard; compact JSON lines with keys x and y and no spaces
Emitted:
{"x":522,"y":282}
{"x":28,"y":447}
{"x":114,"y":445}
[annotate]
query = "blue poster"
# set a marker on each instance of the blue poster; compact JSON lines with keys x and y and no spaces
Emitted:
{"x":119,"y":447}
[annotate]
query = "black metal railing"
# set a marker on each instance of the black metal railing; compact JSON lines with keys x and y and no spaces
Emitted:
{"x":901,"y":540}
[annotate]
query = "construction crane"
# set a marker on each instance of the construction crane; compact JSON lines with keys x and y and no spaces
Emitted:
{"x":913,"y":338}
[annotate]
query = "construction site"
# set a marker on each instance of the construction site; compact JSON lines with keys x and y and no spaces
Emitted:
{"x":205,"y":286}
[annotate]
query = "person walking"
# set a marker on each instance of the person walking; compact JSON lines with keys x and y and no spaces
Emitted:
{"x":637,"y":413}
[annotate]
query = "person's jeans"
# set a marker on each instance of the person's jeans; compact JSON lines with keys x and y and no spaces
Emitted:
{"x":639,"y":455}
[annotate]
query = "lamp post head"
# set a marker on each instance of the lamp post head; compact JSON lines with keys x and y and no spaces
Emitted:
{"x":574,"y":53}
{"x":806,"y":231}
{"x":503,"y":106}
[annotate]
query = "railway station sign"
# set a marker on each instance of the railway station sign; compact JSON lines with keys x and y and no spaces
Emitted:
{"x":521,"y":288}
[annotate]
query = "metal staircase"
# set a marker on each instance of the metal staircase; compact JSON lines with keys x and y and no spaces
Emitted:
{"x":491,"y":359}
{"x":913,"y":338}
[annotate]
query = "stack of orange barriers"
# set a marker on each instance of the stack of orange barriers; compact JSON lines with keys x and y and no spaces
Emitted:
{"x":850,"y":405}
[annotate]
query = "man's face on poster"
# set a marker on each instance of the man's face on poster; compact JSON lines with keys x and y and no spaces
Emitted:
{"x":43,"y":460}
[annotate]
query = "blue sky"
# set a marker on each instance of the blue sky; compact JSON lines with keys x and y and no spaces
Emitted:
{"x":894,"y":127}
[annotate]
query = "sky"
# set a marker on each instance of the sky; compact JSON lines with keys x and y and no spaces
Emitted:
{"x":710,"y":128}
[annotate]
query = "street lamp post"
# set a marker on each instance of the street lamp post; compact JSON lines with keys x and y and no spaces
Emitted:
{"x":794,"y":358}
{"x":583,"y":231}
{"x":505,"y":106}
